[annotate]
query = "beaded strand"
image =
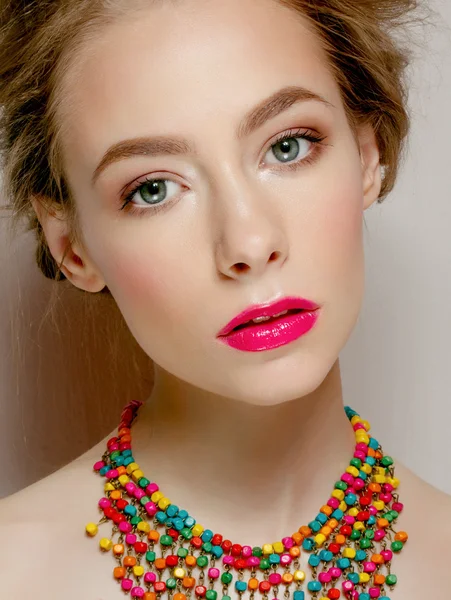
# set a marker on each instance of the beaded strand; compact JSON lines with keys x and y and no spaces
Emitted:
{"x":351,"y":540}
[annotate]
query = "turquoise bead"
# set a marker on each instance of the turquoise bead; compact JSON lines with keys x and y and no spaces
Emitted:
{"x":314,"y":586}
{"x":190,"y":522}
{"x":240,"y":586}
{"x":326,"y":555}
{"x":349,"y":412}
{"x":354,"y":577}
{"x":274,"y":559}
{"x":150,"y":556}
{"x":128,"y":461}
{"x":364,"y":596}
{"x":103,"y":470}
{"x":337,"y":514}
{"x":374,"y":444}
{"x":343,"y":563}
{"x":315,"y":525}
{"x":308,"y":544}
{"x":322,"y":518}
{"x":298,"y":595}
{"x":350,"y":499}
{"x":370,"y":460}
{"x":130,"y":510}
{"x":179,"y":524}
{"x":126,"y":453}
{"x":372,"y":520}
{"x":314,"y":560}
{"x":363,"y":475}
{"x":119,"y":461}
{"x":183,"y":514}
{"x":217,"y":551}
{"x":361,"y":555}
{"x":384,"y":598}
{"x":161,"y":516}
{"x":207,"y":535}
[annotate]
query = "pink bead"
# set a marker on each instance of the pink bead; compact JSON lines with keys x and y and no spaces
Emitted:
{"x":349,"y":520}
{"x":125,"y":527}
{"x":130,"y":488}
{"x":213,"y":573}
{"x":348,"y":478}
{"x":288,"y":542}
{"x":347,"y":586}
{"x":372,"y":509}
{"x":379,"y":535}
{"x":359,"y":484}
{"x":398,"y":506}
{"x":358,"y":426}
{"x":125,"y":446}
{"x":275,"y":578}
{"x":137,"y":592}
{"x":130,"y":539}
{"x":335,"y":572}
{"x":104,"y":503}
{"x":113,"y":447}
{"x":387,"y":555}
{"x":151,"y":488}
{"x":384,"y":497}
{"x":361,"y":447}
{"x":333,"y":502}
{"x":374,"y":592}
{"x":229,"y":560}
{"x":126,"y":584}
{"x":369,"y":567}
{"x":387,"y":488}
{"x":351,"y":490}
{"x":246,"y":551}
{"x":139,"y":493}
{"x":253,"y":561}
{"x":151,"y":508}
{"x":324,"y":577}
{"x":98,"y":465}
{"x":150,"y":577}
{"x":360,"y":455}
{"x":286,"y":560}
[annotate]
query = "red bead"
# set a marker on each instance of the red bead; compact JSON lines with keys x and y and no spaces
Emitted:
{"x":236,"y":550}
{"x":363,"y":515}
{"x":121,"y":503}
{"x":264,"y":586}
{"x":174,"y":534}
{"x":159,"y":586}
{"x":346,"y":530}
{"x":217,"y":539}
{"x":365,"y":501}
{"x":334,"y":548}
{"x":125,"y":446}
{"x":196,"y":542}
{"x":109,"y":512}
{"x":141,"y":548}
{"x":172,"y":560}
{"x":333,"y":594}
{"x":200,"y":591}
{"x":118,"y":518}
{"x":240,"y":563}
{"x":112,"y":441}
{"x":226,"y":546}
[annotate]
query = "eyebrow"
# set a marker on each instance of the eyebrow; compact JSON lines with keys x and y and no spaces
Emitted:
{"x":267,"y":109}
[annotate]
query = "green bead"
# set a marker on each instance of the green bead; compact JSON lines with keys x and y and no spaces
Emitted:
{"x":143,"y":482}
{"x":211,"y":595}
{"x":355,"y":535}
{"x":264,"y":563}
{"x":389,"y":517}
{"x":397,"y":546}
{"x":257,"y":551}
{"x":136,"y":520}
{"x":226,"y":598}
{"x":150,"y":556}
{"x":114,"y":454}
{"x":187,"y":533}
{"x":365,"y":543}
{"x":369,"y":534}
{"x":226,"y":578}
{"x":182,"y":552}
{"x":207,"y":546}
{"x":355,"y":462}
{"x":171,"y":583}
{"x":202,"y":561}
{"x":395,"y":514}
{"x":386,"y":461}
{"x":144,"y":500}
{"x":391,"y":579}
{"x":166,"y":540}
{"x":341,"y":485}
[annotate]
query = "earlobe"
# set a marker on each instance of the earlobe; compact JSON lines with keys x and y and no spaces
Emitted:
{"x":371,"y":167}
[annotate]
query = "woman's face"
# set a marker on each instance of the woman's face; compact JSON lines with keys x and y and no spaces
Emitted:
{"x":238,"y":219}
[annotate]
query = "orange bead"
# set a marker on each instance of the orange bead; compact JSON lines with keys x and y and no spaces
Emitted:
{"x":153,"y":535}
{"x":118,"y":549}
{"x":379,"y":579}
{"x":333,"y":523}
{"x":119,"y":572}
{"x":129,"y":561}
{"x":340,"y":539}
{"x":116,"y":495}
{"x":326,"y":510}
{"x":305,"y":530}
{"x":287,"y":578}
{"x":326,"y":530}
{"x":150,"y":596}
{"x":294,"y":552}
{"x":124,"y":431}
{"x":375,"y":488}
{"x":252,"y":584}
{"x":378,"y":455}
{"x":401,"y":536}
{"x":371,"y":452}
{"x":382,"y":523}
{"x":121,"y":470}
{"x":188,"y":582}
{"x":377,"y":559}
{"x":160,"y":563}
{"x":190,"y":560}
{"x":126,"y":438}
{"x":298,"y":538}
{"x":179,"y":596}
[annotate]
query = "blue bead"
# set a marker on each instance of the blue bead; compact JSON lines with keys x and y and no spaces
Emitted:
{"x":327,"y":556}
{"x":350,"y":499}
{"x":274,"y":559}
{"x":343,"y":563}
{"x":207,"y":535}
{"x":119,"y":461}
{"x":364,"y":596}
{"x":308,"y":544}
{"x":126,"y":453}
{"x":130,"y":510}
{"x":371,"y":461}
{"x":298,"y":595}
{"x":363,"y":475}
{"x":103,"y":470}
{"x":349,"y":412}
{"x":322,"y":518}
{"x":374,"y":444}
{"x":360,"y":555}
{"x":384,"y":598}
{"x":190,"y":522}
{"x":178,"y":523}
{"x":217,"y":551}
{"x":314,"y":586}
{"x":337,"y":514}
{"x":128,"y":461}
{"x":314,"y":560}
{"x":240,"y":586}
{"x":183,"y":514}
{"x":371,"y":520}
{"x":172,"y":510}
{"x":161,"y":516}
{"x":315,"y":525}
{"x":354,"y":577}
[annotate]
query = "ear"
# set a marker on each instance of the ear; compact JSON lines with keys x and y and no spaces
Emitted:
{"x":77,"y":266}
{"x":371,"y":168}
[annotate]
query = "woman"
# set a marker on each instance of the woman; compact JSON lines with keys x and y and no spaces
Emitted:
{"x":208,"y":164}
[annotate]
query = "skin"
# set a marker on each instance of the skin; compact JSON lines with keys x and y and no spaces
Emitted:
{"x":241,"y":229}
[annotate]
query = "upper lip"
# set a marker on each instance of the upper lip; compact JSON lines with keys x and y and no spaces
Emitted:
{"x":268,"y":310}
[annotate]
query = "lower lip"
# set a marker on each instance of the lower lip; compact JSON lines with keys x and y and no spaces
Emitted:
{"x":272,"y":334}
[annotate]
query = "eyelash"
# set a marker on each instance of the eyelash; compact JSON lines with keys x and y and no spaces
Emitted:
{"x":308,"y":135}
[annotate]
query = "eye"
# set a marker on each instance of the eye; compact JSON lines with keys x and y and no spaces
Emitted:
{"x":151,"y":193}
{"x":300,"y":146}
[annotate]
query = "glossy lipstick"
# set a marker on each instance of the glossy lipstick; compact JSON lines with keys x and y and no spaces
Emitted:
{"x":244,"y":334}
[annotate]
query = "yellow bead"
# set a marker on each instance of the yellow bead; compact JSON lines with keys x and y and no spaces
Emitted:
{"x":349,"y":553}
{"x":366,"y":424}
{"x":320,"y":539}
{"x":353,"y":512}
{"x":267,"y":549}
{"x":179,"y":573}
{"x":299,"y":575}
{"x":394,"y":481}
{"x":355,"y":419}
{"x":123,"y":480}
{"x":339,"y":494}
{"x":353,"y":471}
{"x":379,"y":470}
{"x":362,"y":437}
{"x":143,"y":526}
{"x":379,"y":504}
{"x":109,"y":487}
{"x":379,"y":478}
{"x":359,"y":526}
{"x":138,"y":571}
{"x":366,"y":468}
{"x":278,"y":547}
{"x":156,"y":497}
{"x":106,"y":544}
{"x":92,"y":529}
{"x":137,"y":475}
{"x":164,"y":503}
{"x":364,"y":577}
{"x":197,"y":529}
{"x":343,"y":506}
{"x":132,"y":467}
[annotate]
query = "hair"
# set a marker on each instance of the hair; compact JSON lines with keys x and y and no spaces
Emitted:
{"x":39,"y":38}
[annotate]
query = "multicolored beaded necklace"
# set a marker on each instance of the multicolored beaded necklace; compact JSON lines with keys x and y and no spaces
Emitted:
{"x":347,"y":541}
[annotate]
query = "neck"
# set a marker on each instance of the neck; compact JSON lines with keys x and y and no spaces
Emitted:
{"x":252,"y":473}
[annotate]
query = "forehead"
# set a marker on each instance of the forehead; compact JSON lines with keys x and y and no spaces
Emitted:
{"x":177,"y":66}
